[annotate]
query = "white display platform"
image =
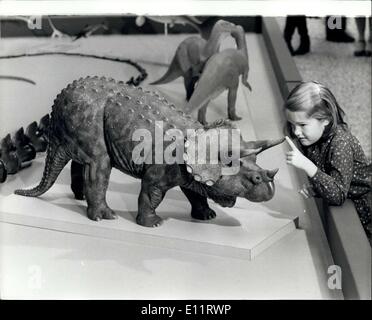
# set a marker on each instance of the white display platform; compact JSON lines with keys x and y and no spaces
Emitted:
{"x":73,"y":266}
{"x":240,"y":232}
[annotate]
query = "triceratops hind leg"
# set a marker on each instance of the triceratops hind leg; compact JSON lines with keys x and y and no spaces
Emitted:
{"x":77,"y":180}
{"x":96,"y":179}
{"x":199,"y":205}
{"x":149,"y":199}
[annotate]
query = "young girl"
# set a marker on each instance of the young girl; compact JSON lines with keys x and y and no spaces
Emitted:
{"x":332,"y":157}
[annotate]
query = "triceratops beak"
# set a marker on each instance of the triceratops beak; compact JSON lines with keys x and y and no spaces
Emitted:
{"x":261,"y":144}
{"x":272,"y":173}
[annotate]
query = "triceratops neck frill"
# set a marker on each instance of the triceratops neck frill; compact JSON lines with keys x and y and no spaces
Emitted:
{"x":202,"y":152}
{"x":221,"y":124}
{"x":201,"y":157}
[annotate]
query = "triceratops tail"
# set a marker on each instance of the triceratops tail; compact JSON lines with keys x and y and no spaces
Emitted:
{"x":174,"y":71}
{"x":56,"y":160}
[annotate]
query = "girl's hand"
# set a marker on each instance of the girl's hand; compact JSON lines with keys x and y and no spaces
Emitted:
{"x":298,"y":160}
{"x":307,"y":191}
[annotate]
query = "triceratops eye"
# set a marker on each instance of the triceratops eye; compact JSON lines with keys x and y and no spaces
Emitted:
{"x":256,"y":178}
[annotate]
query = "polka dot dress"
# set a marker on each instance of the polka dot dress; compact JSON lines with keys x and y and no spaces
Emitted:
{"x":343,"y":172}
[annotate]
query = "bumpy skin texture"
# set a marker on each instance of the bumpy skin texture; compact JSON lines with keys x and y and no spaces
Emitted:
{"x":92,"y":123}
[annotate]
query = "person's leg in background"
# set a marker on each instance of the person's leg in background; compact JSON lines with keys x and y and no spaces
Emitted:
{"x":289,"y":29}
{"x":304,"y":36}
{"x":335,"y":34}
{"x":361,"y":49}
{"x":360,"y":46}
{"x":369,"y":42}
{"x":299,"y":22}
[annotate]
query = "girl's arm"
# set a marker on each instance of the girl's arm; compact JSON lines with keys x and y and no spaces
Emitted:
{"x":334,"y":185}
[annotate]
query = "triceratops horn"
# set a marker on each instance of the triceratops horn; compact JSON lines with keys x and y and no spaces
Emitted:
{"x":272,"y":173}
{"x":249,"y":152}
{"x":263,"y":144}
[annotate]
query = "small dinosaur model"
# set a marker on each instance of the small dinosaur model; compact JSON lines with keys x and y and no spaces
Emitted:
{"x":89,"y":30}
{"x":3,"y":172}
{"x":222,"y":72}
{"x":30,"y":20}
{"x":9,"y":155}
{"x":25,"y":150}
{"x":44,"y":126}
{"x":192,"y":54}
{"x":170,"y":20}
{"x":55,"y":32}
{"x":95,"y":122}
{"x":36,"y":137}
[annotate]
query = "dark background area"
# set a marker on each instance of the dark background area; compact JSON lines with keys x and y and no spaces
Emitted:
{"x":72,"y":25}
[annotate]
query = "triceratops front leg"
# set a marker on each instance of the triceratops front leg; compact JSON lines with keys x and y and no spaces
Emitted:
{"x":199,"y":205}
{"x":96,"y":180}
{"x":149,"y":199}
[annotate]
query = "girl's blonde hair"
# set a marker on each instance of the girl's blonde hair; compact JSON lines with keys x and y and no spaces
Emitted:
{"x":317,"y":102}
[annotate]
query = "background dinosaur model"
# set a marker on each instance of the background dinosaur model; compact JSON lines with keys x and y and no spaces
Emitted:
{"x":3,"y":172}
{"x":222,"y":71}
{"x":88,"y":30}
{"x":192,"y":54}
{"x":17,"y":153}
{"x":9,"y":155}
{"x":93,"y":122}
{"x":25,"y":150}
{"x":36,"y":137}
{"x":171,"y":21}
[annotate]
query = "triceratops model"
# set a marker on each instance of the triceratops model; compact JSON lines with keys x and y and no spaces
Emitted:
{"x":222,"y":71}
{"x":96,"y":121}
{"x":192,"y":54}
